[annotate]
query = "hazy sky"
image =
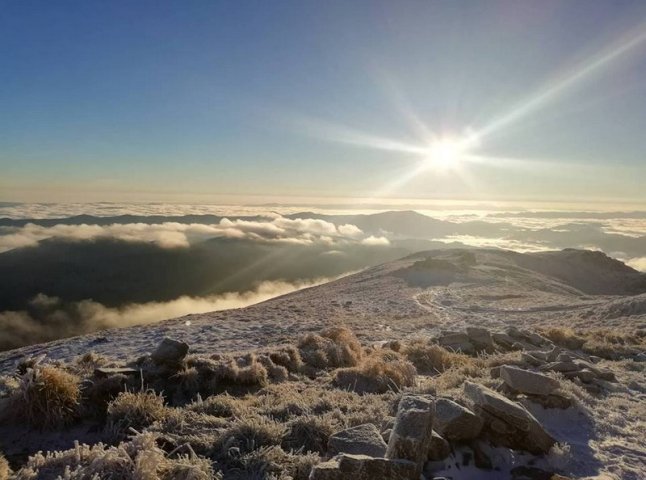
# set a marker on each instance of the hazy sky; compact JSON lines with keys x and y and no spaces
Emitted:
{"x":136,"y":100}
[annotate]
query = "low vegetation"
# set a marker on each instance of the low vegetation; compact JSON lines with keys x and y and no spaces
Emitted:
{"x":263,"y":415}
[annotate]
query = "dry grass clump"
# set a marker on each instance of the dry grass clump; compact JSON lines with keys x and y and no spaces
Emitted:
{"x":334,"y":347}
{"x":288,"y":357}
{"x":138,"y":459}
{"x":564,"y":337}
{"x":380,"y":372}
{"x":223,"y":405}
{"x":309,"y":434}
{"x":46,"y":397}
{"x":181,"y":426}
{"x":277,"y":373}
{"x":5,"y":471}
{"x":135,"y":410}
{"x":86,"y":363}
{"x":250,"y":433}
{"x":430,"y":358}
{"x":271,"y":463}
{"x":98,"y":392}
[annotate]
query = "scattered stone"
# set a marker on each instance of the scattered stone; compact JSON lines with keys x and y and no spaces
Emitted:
{"x":109,"y":371}
{"x":585,"y":375}
{"x":457,"y":341}
{"x":602,"y":373}
{"x":503,"y":340}
{"x":531,"y":359}
{"x":413,"y":430}
{"x":455,"y":422}
{"x":363,"y":467}
{"x":508,"y":423}
{"x":539,"y":355}
{"x":560,"y":367}
{"x":481,"y":339}
{"x":361,"y":440}
{"x":495,"y":372}
{"x":170,"y":352}
{"x":386,"y":434}
{"x":528,"y":382}
{"x":553,"y":354}
{"x":439,"y":449}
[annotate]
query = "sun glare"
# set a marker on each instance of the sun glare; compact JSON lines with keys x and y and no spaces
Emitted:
{"x":447,"y":153}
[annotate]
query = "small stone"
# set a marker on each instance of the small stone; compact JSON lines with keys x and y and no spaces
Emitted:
{"x":559,"y":367}
{"x":108,"y":371}
{"x":481,"y":339}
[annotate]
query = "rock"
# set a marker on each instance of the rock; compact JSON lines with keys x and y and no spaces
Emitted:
{"x":494,"y":372}
{"x":457,"y":341}
{"x":363,"y":467}
{"x":526,"y":336}
{"x":602,"y":373}
{"x":564,"y":357}
{"x":386,"y":434}
{"x":503,"y":340}
{"x":170,"y":352}
{"x":481,"y":339}
{"x":531,"y":359}
{"x":559,"y":367}
{"x":585,"y":375}
{"x":532,"y":473}
{"x":525,"y":381}
{"x":361,"y":440}
{"x":539,"y":355}
{"x":439,"y":449}
{"x":455,"y":422}
{"x":508,"y":423}
{"x":553,"y":354}
{"x":413,"y":430}
{"x":550,"y":401}
{"x":108,"y":371}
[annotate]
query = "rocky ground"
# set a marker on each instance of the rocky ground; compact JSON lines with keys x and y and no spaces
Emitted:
{"x":458,"y":364}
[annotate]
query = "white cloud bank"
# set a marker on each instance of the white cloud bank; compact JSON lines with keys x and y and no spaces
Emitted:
{"x":49,"y":318}
{"x":304,"y":231}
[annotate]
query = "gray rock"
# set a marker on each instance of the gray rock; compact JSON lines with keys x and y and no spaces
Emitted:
{"x":108,"y":371}
{"x":503,"y":340}
{"x":560,"y":367}
{"x":456,"y":341}
{"x":531,"y":359}
{"x":481,"y":338}
{"x":361,"y":440}
{"x":525,"y":381}
{"x":170,"y":352}
{"x":386,"y":434}
{"x":439,"y":449}
{"x":413,"y":429}
{"x":455,"y":422}
{"x":602,"y":373}
{"x":508,"y":423}
{"x":554,"y":353}
{"x":363,"y":467}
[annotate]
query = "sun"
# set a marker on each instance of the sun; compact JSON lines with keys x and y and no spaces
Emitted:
{"x":447,"y":153}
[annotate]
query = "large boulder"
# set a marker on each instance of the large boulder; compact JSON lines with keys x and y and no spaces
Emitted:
{"x":525,"y":381}
{"x":455,"y":422}
{"x":503,"y":340}
{"x":169,"y":353}
{"x":411,"y":436}
{"x":362,"y":440}
{"x":363,"y":467}
{"x":507,"y":422}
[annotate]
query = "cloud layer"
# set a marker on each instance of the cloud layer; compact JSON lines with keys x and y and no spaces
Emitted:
{"x":48,"y":318}
{"x":303,"y":231}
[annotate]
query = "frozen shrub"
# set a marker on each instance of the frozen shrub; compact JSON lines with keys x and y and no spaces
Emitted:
{"x":223,"y":405}
{"x":250,"y":433}
{"x":563,"y":336}
{"x":378,"y":373}
{"x":135,"y":410}
{"x":308,"y":434}
{"x":98,"y":392}
{"x":272,"y":463}
{"x":333,"y":348}
{"x":5,"y":471}
{"x":288,"y":357}
{"x":277,"y":373}
{"x":187,"y":383}
{"x":431,"y":358}
{"x":46,"y":397}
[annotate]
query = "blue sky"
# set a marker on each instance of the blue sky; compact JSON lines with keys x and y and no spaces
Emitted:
{"x":175,"y":100}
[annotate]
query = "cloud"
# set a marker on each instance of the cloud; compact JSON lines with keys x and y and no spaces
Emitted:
{"x":638,"y":263}
{"x":303,"y":231}
{"x":48,"y":318}
{"x":375,"y":241}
